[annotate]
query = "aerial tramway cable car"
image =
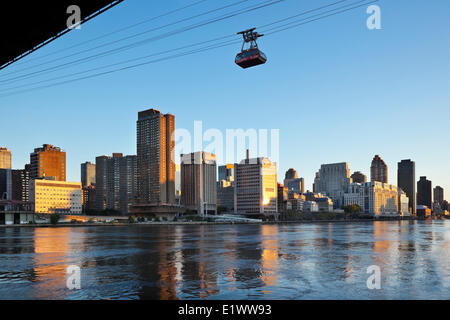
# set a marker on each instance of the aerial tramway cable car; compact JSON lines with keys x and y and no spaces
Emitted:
{"x":252,"y":56}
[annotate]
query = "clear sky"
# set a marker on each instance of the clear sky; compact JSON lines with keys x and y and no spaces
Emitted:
{"x":335,"y":90}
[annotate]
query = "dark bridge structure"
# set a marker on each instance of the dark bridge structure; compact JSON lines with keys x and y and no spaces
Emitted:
{"x":30,"y":25}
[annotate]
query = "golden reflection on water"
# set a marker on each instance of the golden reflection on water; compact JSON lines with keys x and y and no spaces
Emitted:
{"x":381,"y":241}
{"x":269,"y":257}
{"x":51,"y":246}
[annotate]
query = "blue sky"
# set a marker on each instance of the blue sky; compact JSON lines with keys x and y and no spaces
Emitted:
{"x":335,"y":90}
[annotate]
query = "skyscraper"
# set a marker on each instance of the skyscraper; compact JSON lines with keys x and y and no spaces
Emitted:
{"x":20,"y":184}
{"x":116,"y":182}
{"x":293,"y":182}
{"x":438,"y":193}
{"x":5,"y":158}
{"x":406,"y":180}
{"x":424,"y":192}
{"x":156,"y":157}
{"x":378,"y":170}
{"x":128,"y":183}
{"x":198,"y":182}
{"x":107,"y":176}
{"x":359,"y":177}
{"x":333,"y":180}
{"x":5,"y":184}
{"x":87,"y":174}
{"x":255,"y":188}
{"x":48,"y":162}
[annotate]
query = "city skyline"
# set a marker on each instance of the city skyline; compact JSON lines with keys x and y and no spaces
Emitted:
{"x":280,"y":172}
{"x":330,"y":101}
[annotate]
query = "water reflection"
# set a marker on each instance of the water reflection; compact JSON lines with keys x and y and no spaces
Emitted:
{"x":305,"y":261}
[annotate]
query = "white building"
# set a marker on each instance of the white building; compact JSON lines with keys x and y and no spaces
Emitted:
{"x":333,"y":180}
{"x":403,"y":203}
{"x":375,"y":198}
{"x":198,"y":182}
{"x":50,"y":196}
{"x":255,"y":186}
{"x":310,"y":206}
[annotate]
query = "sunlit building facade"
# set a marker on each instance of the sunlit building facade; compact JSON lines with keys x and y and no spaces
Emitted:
{"x":333,"y":180}
{"x":87,"y":174}
{"x":199,"y":182}
{"x":403,"y":203}
{"x":48,"y":162}
{"x":5,"y":158}
{"x":375,"y":198}
{"x":156,"y":157}
{"x":256,"y":186}
{"x":378,"y":170}
{"x":48,"y":196}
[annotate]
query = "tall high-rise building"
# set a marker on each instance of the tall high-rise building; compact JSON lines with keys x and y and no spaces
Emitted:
{"x":48,"y":162}
{"x":5,"y":184}
{"x":5,"y":158}
{"x":438,"y":193}
{"x":293,"y":182}
{"x":255,"y":188}
{"x":156,"y":157}
{"x":358,"y":177}
{"x":333,"y":180}
{"x":87,"y":174}
{"x":89,"y":193}
{"x":116,"y":182}
{"x":226,"y":172}
{"x":378,"y":170}
{"x":424,"y":192}
{"x":107,"y":177}
{"x":406,"y":180}
{"x":198,"y":182}
{"x":128,"y":183}
{"x":225,"y":195}
{"x":20,"y":184}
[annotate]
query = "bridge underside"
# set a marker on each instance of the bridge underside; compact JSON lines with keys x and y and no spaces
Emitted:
{"x":28,"y":26}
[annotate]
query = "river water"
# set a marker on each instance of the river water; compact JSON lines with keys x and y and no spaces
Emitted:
{"x":291,"y":261}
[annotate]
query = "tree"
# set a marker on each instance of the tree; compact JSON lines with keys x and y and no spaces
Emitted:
{"x":54,"y":218}
{"x":352,"y":208}
{"x":221,"y":209}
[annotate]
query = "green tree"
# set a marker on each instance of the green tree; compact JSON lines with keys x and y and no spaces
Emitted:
{"x":352,"y":208}
{"x":54,"y":218}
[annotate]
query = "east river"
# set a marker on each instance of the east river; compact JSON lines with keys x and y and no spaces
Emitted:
{"x":285,"y":261}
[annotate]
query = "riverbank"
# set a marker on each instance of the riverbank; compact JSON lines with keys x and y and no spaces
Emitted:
{"x":176,"y":223}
